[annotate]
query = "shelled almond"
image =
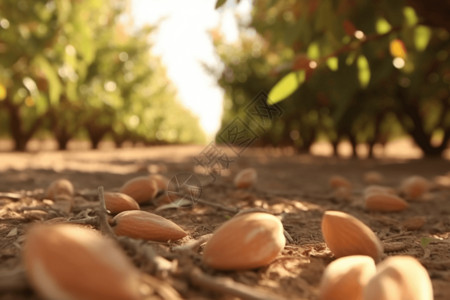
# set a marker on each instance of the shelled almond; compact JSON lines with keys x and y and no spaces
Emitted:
{"x":245,"y":178}
{"x":142,"y":189}
{"x":118,"y":202}
{"x":414,"y":223}
{"x":161,"y":181}
{"x":379,"y":189}
{"x":345,"y":278}
{"x":70,"y":262}
{"x":337,"y":181}
{"x":399,"y":277}
{"x":414,"y":187}
{"x":346,"y":235}
{"x":147,"y":226}
{"x":245,"y":242}
{"x":61,"y":192}
{"x":373,"y":177}
{"x":384,"y":202}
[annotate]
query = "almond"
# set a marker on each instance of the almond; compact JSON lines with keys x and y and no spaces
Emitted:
{"x":415,"y":187}
{"x":69,"y":262}
{"x":245,"y":178}
{"x":147,"y":226}
{"x":337,"y":181}
{"x":58,"y":188}
{"x":346,"y":235}
{"x":248,"y":241}
{"x":414,"y":223}
{"x":378,"y":189}
{"x":161,"y":181}
{"x":61,"y":191}
{"x":384,"y":202}
{"x":118,"y":202}
{"x":399,"y":277}
{"x":141,"y":189}
{"x":373,"y":177}
{"x":346,"y":277}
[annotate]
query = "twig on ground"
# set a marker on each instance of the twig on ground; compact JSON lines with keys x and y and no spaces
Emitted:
{"x":193,"y":244}
{"x":12,"y":196}
{"x":102,"y":213}
{"x":217,"y":205}
{"x":229,"y":286}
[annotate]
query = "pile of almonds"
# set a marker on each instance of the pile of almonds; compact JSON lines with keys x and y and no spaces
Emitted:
{"x":247,"y":241}
{"x":354,"y":274}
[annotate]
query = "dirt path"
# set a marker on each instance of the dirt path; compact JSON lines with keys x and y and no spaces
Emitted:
{"x":294,"y":187}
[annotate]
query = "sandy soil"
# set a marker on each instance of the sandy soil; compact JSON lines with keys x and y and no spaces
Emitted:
{"x":293,"y":187}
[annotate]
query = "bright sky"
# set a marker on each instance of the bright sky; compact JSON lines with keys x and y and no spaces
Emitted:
{"x":183,"y":43}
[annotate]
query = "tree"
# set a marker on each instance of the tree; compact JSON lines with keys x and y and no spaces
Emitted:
{"x":360,"y":63}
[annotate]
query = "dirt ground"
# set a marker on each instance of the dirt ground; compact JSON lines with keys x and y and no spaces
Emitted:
{"x":291,"y":186}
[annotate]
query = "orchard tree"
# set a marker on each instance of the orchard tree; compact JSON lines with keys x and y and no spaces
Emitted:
{"x":362,"y":63}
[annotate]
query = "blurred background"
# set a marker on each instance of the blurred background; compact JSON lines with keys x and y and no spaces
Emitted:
{"x":124,"y":73}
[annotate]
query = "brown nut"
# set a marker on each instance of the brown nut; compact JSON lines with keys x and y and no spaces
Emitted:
{"x":118,"y":202}
{"x":247,"y":241}
{"x":345,"y":277}
{"x":161,"y":181}
{"x":414,"y":187}
{"x":70,"y":262}
{"x":246,"y":178}
{"x":385,"y":202}
{"x":373,"y":177}
{"x":346,"y":235}
{"x":141,"y":189}
{"x":147,"y":226}
{"x":337,"y":181}
{"x":60,"y":188}
{"x":399,"y":277}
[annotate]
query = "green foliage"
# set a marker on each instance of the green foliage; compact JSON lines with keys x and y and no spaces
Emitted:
{"x":69,"y":66}
{"x":368,"y":71}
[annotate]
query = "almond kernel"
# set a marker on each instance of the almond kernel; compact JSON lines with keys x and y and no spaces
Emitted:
{"x":147,"y":226}
{"x":346,"y":235}
{"x":141,"y":189}
{"x":248,"y":241}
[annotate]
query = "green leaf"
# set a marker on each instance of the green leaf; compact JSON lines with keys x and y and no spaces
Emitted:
{"x":383,"y":26}
{"x":313,"y":51}
{"x":363,"y":71}
{"x":55,"y":87}
{"x":219,"y":3}
{"x":333,"y":63}
{"x":410,"y":16}
{"x":286,"y":86}
{"x":422,"y":36}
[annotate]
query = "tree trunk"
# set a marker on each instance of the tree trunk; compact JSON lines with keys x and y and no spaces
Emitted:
{"x":410,"y":108}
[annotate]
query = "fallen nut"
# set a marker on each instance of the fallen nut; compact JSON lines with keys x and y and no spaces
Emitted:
{"x":61,"y":191}
{"x":346,"y":235}
{"x":141,"y":189}
{"x":118,"y":202}
{"x":161,"y":181}
{"x":373,"y":177}
{"x":385,"y":202}
{"x":414,"y":223}
{"x":245,"y":242}
{"x":58,"y":188}
{"x":399,"y":277}
{"x":337,"y":181}
{"x":147,"y":226}
{"x":414,"y":187}
{"x":245,"y":178}
{"x":70,"y":262}
{"x":378,"y":189}
{"x":345,"y":277}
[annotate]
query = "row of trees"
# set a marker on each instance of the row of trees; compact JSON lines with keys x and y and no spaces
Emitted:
{"x":362,"y":71}
{"x":75,"y":69}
